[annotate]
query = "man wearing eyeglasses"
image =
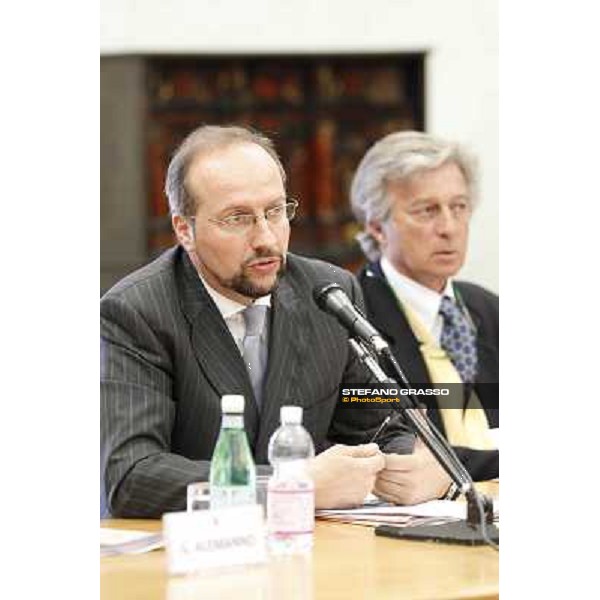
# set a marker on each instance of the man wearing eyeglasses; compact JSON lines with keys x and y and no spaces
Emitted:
{"x":414,"y":194}
{"x":228,"y":310}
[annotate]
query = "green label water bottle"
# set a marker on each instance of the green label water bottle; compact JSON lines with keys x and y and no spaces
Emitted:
{"x":232,"y":469}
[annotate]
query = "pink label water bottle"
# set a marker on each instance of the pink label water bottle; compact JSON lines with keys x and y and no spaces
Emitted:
{"x":291,"y":492}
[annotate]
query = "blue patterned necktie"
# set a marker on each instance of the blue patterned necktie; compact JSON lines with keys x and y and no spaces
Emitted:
{"x":458,"y":340}
{"x":255,"y":351}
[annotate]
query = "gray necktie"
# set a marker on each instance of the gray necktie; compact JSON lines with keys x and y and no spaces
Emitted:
{"x":255,"y":349}
{"x":458,"y":340}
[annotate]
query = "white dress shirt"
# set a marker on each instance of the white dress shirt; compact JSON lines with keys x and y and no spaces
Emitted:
{"x":424,"y":301}
{"x":232,"y":313}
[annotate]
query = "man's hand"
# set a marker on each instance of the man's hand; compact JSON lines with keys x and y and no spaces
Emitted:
{"x":411,"y":478}
{"x":344,"y":475}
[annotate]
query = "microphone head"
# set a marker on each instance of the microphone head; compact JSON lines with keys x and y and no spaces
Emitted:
{"x":322,"y":290}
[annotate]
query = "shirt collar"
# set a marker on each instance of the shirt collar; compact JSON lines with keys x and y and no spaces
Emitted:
{"x":228,"y":307}
{"x":423,"y":300}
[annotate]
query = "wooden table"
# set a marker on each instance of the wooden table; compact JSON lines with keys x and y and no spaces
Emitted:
{"x":348,"y":561}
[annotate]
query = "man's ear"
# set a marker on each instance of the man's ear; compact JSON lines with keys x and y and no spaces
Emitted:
{"x":184,"y":231}
{"x":376,"y":230}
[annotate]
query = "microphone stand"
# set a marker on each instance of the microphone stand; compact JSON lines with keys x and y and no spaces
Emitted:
{"x":480,"y":512}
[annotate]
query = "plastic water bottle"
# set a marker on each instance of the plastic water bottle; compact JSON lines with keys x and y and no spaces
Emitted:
{"x":232,"y":469}
{"x":291,"y":492}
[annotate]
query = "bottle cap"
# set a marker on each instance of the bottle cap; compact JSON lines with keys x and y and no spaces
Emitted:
{"x":291,"y":415}
{"x":232,"y":403}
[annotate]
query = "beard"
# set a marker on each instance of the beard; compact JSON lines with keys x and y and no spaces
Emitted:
{"x":243,"y":284}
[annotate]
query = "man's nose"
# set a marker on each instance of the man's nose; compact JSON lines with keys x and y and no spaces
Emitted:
{"x":446,"y":222}
{"x":262,"y":233}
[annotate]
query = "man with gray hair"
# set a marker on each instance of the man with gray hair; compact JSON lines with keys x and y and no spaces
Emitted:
{"x":414,"y":195}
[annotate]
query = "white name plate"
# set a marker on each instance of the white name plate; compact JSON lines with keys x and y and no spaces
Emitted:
{"x":206,"y":539}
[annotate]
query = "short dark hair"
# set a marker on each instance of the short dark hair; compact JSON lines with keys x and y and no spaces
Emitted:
{"x":205,"y":139}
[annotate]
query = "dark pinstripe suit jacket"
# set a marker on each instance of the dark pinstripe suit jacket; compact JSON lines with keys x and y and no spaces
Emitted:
{"x":167,"y":357}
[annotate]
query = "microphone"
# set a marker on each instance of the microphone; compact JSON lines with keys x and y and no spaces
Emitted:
{"x":331,"y":298}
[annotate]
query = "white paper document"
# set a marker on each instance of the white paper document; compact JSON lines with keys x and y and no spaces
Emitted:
{"x":434,"y":508}
{"x":373,"y":514}
{"x":128,"y":541}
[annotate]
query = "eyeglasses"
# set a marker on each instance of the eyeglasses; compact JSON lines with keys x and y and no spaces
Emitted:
{"x":460,"y":211}
{"x":243,"y":223}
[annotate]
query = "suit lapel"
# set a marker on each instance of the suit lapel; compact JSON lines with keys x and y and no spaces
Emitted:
{"x":487,"y":354}
{"x":214,"y":347}
{"x":386,"y":314}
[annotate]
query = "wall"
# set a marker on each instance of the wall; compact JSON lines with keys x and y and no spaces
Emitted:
{"x":461,"y":38}
{"x":122,"y":190}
